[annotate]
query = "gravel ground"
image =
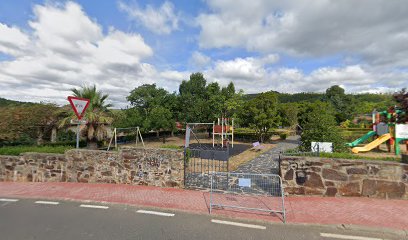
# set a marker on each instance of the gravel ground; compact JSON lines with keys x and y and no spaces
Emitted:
{"x":268,"y":162}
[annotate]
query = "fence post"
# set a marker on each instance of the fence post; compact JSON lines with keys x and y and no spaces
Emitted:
{"x":283,"y":200}
{"x":185,"y":153}
{"x":211,"y":189}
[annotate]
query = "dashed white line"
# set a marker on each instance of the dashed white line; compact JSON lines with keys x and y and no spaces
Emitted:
{"x":156,"y":213}
{"x":8,"y":200}
{"x":47,"y":202}
{"x":348,"y":237}
{"x":93,"y":206}
{"x":238,"y":224}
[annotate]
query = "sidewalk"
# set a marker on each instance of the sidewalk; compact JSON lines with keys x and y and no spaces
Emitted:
{"x":313,"y":210}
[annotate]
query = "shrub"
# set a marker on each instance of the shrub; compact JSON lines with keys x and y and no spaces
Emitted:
{"x":283,"y":136}
{"x":320,"y":126}
{"x":17,"y":150}
{"x":169,"y":146}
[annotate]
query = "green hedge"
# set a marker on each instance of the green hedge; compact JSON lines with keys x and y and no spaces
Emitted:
{"x":16,"y":150}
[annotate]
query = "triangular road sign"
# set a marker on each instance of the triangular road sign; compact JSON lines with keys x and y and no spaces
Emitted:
{"x":79,"y":105}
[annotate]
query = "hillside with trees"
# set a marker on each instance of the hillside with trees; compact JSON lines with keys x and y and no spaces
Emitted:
{"x":154,"y":109}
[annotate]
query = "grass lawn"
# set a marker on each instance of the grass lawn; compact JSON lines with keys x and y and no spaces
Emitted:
{"x":16,"y":150}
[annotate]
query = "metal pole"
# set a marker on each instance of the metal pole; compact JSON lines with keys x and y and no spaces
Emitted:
{"x":222,"y":132}
{"x":211,"y":189}
{"x":213,"y":133}
{"x":283,"y":199}
{"x":77,"y":138}
{"x":232,"y":133}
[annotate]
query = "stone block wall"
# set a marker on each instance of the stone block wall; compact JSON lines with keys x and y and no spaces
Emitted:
{"x":341,"y":177}
{"x":153,"y":167}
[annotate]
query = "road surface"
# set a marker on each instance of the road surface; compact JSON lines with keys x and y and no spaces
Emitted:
{"x":62,"y":220}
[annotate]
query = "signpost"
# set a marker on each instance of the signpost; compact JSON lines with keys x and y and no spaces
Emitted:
{"x":79,"y":105}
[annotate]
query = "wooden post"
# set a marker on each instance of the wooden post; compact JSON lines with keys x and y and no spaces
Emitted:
{"x":116,"y":139}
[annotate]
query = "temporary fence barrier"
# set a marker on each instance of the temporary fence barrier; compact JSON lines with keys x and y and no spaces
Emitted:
{"x":247,"y":191}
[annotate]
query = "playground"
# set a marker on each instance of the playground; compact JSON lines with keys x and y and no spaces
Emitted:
{"x":386,"y":138}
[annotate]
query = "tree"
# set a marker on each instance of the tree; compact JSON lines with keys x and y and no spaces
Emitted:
{"x":320,"y":126}
{"x":289,"y":113}
{"x":27,"y":123}
{"x":262,"y":114}
{"x":97,"y":115}
{"x":159,"y":118}
{"x":342,"y":103}
{"x":147,"y":97}
{"x":153,"y":108}
{"x":193,"y":99}
{"x":401,"y":98}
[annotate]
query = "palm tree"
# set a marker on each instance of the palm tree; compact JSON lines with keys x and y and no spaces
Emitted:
{"x":97,"y":115}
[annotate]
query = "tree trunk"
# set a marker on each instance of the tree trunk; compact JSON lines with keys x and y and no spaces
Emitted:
{"x":92,"y":144}
{"x":40,"y":136}
{"x":54,"y":134}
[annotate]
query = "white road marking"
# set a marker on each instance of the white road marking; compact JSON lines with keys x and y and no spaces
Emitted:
{"x":238,"y":224}
{"x":8,"y":200}
{"x":156,"y":213}
{"x":94,"y":206}
{"x":349,"y":237}
{"x":47,"y":202}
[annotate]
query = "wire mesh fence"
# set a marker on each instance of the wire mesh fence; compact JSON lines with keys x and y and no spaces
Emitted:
{"x":247,"y":191}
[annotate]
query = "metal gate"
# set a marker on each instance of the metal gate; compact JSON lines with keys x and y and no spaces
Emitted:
{"x":247,"y":191}
{"x":200,"y":163}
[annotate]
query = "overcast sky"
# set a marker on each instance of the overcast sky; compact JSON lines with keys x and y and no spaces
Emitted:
{"x":49,"y":47}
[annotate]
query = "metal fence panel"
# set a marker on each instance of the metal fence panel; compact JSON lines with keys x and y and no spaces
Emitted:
{"x":198,"y":164}
{"x":247,"y":191}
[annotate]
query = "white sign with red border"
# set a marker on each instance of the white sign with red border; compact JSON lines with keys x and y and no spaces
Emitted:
{"x":79,"y":105}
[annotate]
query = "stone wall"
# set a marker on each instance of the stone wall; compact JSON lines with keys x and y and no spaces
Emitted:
{"x":340,"y":177}
{"x":153,"y":167}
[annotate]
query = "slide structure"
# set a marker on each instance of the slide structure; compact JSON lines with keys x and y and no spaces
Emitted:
{"x":362,"y":139}
{"x":373,"y":144}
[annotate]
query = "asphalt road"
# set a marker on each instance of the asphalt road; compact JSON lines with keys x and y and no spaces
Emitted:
{"x":27,"y":219}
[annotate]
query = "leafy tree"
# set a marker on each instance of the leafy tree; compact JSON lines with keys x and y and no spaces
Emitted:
{"x":401,"y":98}
{"x":289,"y":113}
{"x":193,"y":99}
{"x":262,"y":114}
{"x":342,"y":103}
{"x":147,"y":97}
{"x":27,"y":123}
{"x":320,"y":126}
{"x":127,"y":118}
{"x":153,"y":109}
{"x":98,"y":114}
{"x":159,"y":118}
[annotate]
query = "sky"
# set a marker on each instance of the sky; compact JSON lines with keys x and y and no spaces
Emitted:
{"x":49,"y":47}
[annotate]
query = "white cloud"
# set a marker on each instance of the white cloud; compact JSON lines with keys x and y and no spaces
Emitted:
{"x":66,"y":49}
{"x":253,"y":75}
{"x":199,"y":59}
{"x":12,"y":40}
{"x":162,"y":20}
{"x":375,"y":31}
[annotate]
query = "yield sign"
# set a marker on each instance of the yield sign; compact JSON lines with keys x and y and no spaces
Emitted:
{"x":79,"y":105}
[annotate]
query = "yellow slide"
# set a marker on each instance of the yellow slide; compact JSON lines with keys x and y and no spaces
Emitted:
{"x":372,"y":144}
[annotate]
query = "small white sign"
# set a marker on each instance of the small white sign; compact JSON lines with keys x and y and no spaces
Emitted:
{"x":244,"y":182}
{"x":82,"y":121}
{"x":401,"y":130}
{"x":322,"y":147}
